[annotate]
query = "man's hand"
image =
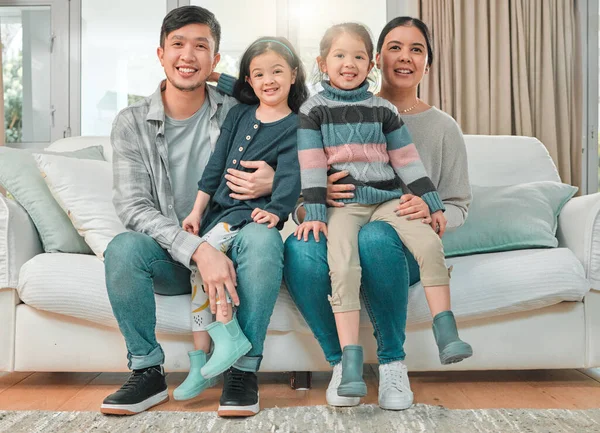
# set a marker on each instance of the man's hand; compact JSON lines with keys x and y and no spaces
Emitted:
{"x":262,"y":217}
{"x":306,"y":227}
{"x":336,"y":192}
{"x":414,"y":207}
{"x":248,"y":186}
{"x":218,"y":275}
{"x":191,"y":223}
{"x":438,"y":222}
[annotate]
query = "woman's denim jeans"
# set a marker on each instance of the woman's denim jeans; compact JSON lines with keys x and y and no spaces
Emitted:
{"x":137,"y":268}
{"x":388,"y":269}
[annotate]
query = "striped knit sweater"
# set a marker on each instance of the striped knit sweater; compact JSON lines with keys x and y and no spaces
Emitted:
{"x":356,"y":131}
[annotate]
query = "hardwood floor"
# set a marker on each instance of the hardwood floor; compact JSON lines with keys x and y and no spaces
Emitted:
{"x":548,"y":389}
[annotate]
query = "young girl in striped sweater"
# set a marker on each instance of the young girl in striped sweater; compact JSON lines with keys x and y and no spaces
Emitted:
{"x":347,"y":128}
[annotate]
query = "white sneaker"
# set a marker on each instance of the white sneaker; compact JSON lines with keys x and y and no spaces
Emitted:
{"x":394,"y":387}
{"x":332,"y":397}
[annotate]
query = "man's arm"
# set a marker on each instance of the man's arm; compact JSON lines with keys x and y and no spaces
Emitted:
{"x":132,"y":196}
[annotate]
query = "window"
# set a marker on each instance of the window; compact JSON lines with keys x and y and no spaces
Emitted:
{"x":118,"y":58}
{"x":26,"y":54}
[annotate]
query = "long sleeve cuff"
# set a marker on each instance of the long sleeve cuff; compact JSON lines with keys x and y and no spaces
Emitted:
{"x":315,"y":212}
{"x":434,"y":201}
{"x":226,"y":84}
{"x":184,"y":246}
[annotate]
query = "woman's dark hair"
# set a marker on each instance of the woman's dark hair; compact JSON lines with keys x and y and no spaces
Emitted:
{"x":350,"y":28}
{"x":298,"y":91}
{"x":182,"y":16}
{"x":407,"y":22}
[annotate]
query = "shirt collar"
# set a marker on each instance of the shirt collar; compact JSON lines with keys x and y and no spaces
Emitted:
{"x":156,"y":111}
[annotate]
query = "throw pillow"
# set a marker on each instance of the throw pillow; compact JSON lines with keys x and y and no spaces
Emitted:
{"x":84,"y":190}
{"x":503,"y":218}
{"x":20,"y":176}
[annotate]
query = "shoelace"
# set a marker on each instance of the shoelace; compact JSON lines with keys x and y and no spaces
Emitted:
{"x":393,"y":378}
{"x":134,"y":379}
{"x":235,"y":380}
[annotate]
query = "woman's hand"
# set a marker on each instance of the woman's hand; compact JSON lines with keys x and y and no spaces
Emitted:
{"x":248,"y":186}
{"x":438,"y":222}
{"x":336,"y":192}
{"x":306,"y":227}
{"x":414,"y":207}
{"x":262,"y":217}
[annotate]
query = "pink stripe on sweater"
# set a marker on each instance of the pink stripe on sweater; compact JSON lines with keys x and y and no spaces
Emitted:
{"x":404,"y":156}
{"x":357,"y":153}
{"x":312,"y":158}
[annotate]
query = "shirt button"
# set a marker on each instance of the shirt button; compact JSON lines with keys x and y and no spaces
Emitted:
{"x":248,"y":137}
{"x":170,"y":206}
{"x":241,"y":148}
{"x":234,"y":161}
{"x":255,"y":126}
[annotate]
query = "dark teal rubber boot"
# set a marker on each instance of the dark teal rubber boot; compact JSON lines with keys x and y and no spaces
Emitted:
{"x":352,"y":384}
{"x":452,"y":348}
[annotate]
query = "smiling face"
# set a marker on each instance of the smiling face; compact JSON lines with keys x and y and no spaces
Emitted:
{"x":271,"y":78}
{"x":347,"y":64}
{"x":403,"y":57}
{"x":188,"y":56}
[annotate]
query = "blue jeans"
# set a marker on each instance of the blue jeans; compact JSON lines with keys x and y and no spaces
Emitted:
{"x":388,"y":269}
{"x":137,"y":268}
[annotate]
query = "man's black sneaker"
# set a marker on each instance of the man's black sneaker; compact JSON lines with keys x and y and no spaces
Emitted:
{"x":144,"y":388}
{"x":240,"y":394}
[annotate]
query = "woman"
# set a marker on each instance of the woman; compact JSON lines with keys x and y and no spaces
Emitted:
{"x":404,"y":56}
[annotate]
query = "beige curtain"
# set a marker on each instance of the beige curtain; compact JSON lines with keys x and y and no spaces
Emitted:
{"x":510,"y":67}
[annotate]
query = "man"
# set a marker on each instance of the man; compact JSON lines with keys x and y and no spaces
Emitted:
{"x":161,"y":146}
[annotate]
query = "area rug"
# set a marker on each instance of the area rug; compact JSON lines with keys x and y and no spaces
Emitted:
{"x":360,"y":419}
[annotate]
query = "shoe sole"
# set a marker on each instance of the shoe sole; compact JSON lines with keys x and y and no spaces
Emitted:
{"x":455,"y":352}
{"x":235,"y":356}
{"x":333,"y":399}
{"x":196,"y":392}
{"x":396,"y":405}
{"x":134,"y":409}
{"x":238,"y":411}
{"x":353,"y":389}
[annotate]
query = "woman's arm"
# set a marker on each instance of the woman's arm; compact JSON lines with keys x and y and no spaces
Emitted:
{"x":454,"y":187}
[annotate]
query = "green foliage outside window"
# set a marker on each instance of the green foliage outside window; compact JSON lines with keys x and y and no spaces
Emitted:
{"x":12,"y":75}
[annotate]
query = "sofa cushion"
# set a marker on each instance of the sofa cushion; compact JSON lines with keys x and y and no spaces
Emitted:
{"x":70,"y":144}
{"x":485,"y":285}
{"x":503,"y":218}
{"x":496,"y":160}
{"x":21,"y":177}
{"x":84,"y":191}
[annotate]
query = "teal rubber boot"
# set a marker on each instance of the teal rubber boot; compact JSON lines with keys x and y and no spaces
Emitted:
{"x":230,"y":345}
{"x":352,"y":383}
{"x":194,"y":383}
{"x":452,"y":348}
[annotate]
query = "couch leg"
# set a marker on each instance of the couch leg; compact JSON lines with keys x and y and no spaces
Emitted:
{"x":300,"y":380}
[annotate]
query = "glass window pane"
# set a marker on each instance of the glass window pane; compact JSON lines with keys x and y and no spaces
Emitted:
{"x":317,"y":16}
{"x":239,"y":27}
{"x":118,"y":58}
{"x":25,"y":36}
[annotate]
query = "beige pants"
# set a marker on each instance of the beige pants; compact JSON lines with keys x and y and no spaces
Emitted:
{"x":343,"y":226}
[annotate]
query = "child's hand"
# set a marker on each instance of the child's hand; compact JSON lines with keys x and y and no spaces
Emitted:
{"x":262,"y":216}
{"x":191,"y":223}
{"x":438,"y":222}
{"x":306,"y":227}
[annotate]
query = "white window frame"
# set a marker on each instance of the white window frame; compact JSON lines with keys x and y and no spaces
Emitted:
{"x":59,"y":73}
{"x":589,"y":48}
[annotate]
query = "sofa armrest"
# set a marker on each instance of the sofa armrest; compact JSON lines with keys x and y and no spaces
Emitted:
{"x":579,"y":230}
{"x":19,"y":241}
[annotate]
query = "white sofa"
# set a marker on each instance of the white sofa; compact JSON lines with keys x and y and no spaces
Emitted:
{"x":526,"y":309}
